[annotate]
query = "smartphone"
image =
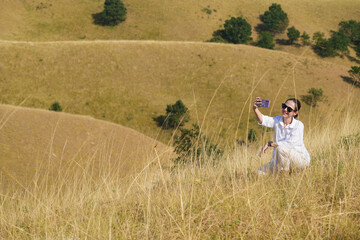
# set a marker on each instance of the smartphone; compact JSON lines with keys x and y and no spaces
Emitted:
{"x":265,"y":103}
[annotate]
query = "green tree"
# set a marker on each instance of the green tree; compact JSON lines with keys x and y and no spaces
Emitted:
{"x":55,"y":107}
{"x":340,"y":42}
{"x":314,"y":96}
{"x":236,"y":30}
{"x":265,"y":40}
{"x":305,"y":38}
{"x":176,"y":115}
{"x":114,"y":13}
{"x":357,"y":50}
{"x":275,"y":20}
{"x":293,"y":34}
{"x":193,"y":146}
{"x":323,"y":47}
{"x":351,"y":29}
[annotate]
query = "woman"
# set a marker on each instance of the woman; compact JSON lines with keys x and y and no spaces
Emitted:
{"x":289,"y":149}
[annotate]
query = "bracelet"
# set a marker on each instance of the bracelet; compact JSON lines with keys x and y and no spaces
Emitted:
{"x":269,"y":143}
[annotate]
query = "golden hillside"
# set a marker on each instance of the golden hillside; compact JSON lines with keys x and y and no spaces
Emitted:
{"x":34,"y":139}
{"x":131,"y":82}
{"x":159,"y":19}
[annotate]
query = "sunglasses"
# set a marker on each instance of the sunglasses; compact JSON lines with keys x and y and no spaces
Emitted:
{"x":289,"y":109}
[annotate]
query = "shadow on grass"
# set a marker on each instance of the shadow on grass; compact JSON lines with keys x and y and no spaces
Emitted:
{"x":97,"y":19}
{"x":351,"y":81}
{"x":260,"y":28}
{"x":283,"y":42}
{"x":352,"y":59}
{"x":286,"y":42}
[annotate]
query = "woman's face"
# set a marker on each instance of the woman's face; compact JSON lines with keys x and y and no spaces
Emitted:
{"x":285,"y":112}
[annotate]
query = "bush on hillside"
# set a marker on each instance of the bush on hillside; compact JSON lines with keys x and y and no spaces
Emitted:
{"x":193,"y":146}
{"x":114,"y":12}
{"x":322,"y":46}
{"x":176,"y":115}
{"x":357,"y":50}
{"x":305,"y":38}
{"x":275,"y":20}
{"x":355,"y":73}
{"x":314,"y":96}
{"x":351,"y":29}
{"x":340,"y":42}
{"x":265,"y":40}
{"x":236,"y":30}
{"x":55,"y":107}
{"x":293,"y":34}
{"x":337,"y":44}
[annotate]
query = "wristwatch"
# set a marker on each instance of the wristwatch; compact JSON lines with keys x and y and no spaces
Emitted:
{"x":269,"y":143}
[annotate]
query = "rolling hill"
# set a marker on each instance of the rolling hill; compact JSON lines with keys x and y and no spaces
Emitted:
{"x":44,"y":20}
{"x":131,"y":82}
{"x":35,"y":143}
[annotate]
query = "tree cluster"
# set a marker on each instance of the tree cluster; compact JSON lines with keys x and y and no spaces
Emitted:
{"x":236,"y":30}
{"x":314,"y":96}
{"x":192,"y":144}
{"x":114,"y":12}
{"x":176,"y":116}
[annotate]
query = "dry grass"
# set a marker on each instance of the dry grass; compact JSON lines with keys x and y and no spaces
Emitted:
{"x":131,"y":82}
{"x":223,"y":201}
{"x":32,"y":139}
{"x":159,"y":19}
{"x":45,"y":20}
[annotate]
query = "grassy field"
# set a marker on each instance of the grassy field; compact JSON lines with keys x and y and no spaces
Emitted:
{"x":131,"y":82}
{"x":65,"y":176}
{"x":39,"y":20}
{"x":222,"y":201}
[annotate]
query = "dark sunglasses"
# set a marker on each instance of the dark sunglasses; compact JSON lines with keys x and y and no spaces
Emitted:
{"x":289,"y":109}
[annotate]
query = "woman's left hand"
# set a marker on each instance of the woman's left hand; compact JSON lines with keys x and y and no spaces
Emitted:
{"x":264,"y":149}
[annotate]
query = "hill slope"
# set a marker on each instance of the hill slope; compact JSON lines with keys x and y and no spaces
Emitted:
{"x":131,"y":82}
{"x":44,"y":142}
{"x":159,"y":19}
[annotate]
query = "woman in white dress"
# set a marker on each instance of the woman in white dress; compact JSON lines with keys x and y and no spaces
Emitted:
{"x":289,"y":149}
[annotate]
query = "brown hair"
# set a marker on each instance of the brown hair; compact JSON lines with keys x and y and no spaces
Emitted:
{"x":297,"y":105}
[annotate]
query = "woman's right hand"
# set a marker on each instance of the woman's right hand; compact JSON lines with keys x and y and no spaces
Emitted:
{"x":257,"y":102}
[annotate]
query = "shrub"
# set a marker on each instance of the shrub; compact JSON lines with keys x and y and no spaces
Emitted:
{"x":357,"y":50}
{"x":323,"y":47}
{"x":265,"y":40}
{"x":217,"y":37}
{"x":114,"y":12}
{"x":355,"y":73}
{"x":275,"y":20}
{"x":315,"y":95}
{"x":293,"y":34}
{"x":236,"y":30}
{"x":305,"y":38}
{"x":340,"y":42}
{"x":176,"y":115}
{"x":55,"y":107}
{"x":336,"y":44}
{"x":252,"y":137}
{"x":351,"y":29}
{"x":192,"y":145}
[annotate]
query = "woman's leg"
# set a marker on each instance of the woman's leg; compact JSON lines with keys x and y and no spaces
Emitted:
{"x":267,"y":168}
{"x":289,"y":158}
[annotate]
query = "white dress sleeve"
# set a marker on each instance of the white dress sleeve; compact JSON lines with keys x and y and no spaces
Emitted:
{"x":268,"y":121}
